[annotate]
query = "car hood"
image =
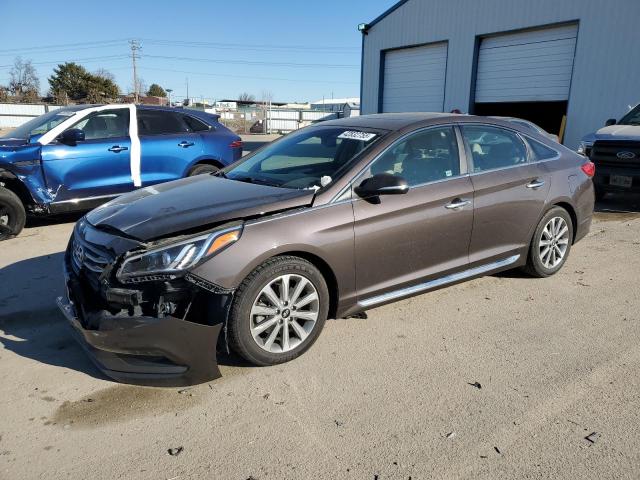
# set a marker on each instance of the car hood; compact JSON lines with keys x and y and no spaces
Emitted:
{"x":192,"y":203}
{"x":13,"y":142}
{"x":618,"y":132}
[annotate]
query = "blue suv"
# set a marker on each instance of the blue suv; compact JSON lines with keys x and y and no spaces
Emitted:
{"x":79,"y":157}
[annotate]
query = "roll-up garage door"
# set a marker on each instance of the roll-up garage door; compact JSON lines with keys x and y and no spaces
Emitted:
{"x":535,"y":65}
{"x":414,"y":79}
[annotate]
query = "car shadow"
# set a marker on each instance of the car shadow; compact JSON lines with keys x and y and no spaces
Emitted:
{"x":31,"y":325}
{"x":41,"y":221}
{"x":618,"y":203}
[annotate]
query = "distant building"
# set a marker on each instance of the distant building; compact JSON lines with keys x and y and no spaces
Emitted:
{"x":334,"y":104}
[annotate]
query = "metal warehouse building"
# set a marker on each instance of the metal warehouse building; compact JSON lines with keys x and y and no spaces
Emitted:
{"x":539,"y":60}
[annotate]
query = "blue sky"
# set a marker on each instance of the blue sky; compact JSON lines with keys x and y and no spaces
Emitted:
{"x":298,"y":50}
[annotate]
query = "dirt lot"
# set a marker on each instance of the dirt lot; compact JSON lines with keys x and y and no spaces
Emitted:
{"x":556,"y":363}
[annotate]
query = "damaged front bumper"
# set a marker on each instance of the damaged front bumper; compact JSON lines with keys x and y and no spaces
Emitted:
{"x":167,"y":351}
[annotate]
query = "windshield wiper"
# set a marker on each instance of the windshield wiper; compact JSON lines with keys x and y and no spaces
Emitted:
{"x":256,"y":181}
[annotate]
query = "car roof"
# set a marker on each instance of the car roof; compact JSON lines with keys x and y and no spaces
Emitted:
{"x":202,"y":115}
{"x":388,"y":121}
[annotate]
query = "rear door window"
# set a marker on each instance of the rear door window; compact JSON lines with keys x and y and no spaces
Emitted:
{"x":158,"y":122}
{"x":493,"y":147}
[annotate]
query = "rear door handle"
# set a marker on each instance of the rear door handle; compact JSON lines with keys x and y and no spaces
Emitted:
{"x":186,"y":144}
{"x":535,"y":184}
{"x":118,"y":149}
{"x":457,"y":204}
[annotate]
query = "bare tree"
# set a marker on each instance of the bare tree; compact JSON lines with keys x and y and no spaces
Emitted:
{"x":246,"y":97}
{"x":23,"y":80}
{"x":106,"y":74}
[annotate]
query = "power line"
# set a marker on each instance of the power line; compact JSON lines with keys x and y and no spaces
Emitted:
{"x":64,"y":45}
{"x":78,"y":60}
{"x":250,"y":62}
{"x":248,"y":46}
{"x":253,"y":77}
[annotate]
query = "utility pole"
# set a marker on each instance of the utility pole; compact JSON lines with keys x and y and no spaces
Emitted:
{"x":135,"y":46}
{"x":188,"y":99}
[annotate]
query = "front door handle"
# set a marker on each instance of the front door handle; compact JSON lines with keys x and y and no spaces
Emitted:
{"x":535,"y":184}
{"x":457,"y":204}
{"x":118,"y":149}
{"x":186,"y":144}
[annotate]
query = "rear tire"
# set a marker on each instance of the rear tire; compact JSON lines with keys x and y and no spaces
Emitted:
{"x":203,"y":169}
{"x":12,"y":214}
{"x":551,"y":244}
{"x":281,"y":324}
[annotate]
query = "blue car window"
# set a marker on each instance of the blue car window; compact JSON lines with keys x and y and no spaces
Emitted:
{"x":194,"y":124}
{"x":159,"y":122}
{"x":105,"y":124}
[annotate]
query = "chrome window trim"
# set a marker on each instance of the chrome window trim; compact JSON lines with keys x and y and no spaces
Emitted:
{"x":453,"y":277}
{"x":349,"y":185}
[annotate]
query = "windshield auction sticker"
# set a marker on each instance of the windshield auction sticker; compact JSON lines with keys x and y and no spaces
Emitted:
{"x":355,"y":135}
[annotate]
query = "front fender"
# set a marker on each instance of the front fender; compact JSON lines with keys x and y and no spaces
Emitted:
{"x":24,"y":164}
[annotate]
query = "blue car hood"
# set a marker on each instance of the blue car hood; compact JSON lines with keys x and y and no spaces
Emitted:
{"x":13,"y":142}
{"x":192,"y":203}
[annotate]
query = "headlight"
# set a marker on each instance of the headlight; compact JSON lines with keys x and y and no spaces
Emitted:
{"x":585,"y":148}
{"x":172,"y":259}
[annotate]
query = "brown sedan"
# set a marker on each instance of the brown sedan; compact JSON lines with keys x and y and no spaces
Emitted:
{"x":326,"y":222}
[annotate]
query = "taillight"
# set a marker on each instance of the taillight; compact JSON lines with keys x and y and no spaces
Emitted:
{"x":589,"y":168}
{"x":236,"y":144}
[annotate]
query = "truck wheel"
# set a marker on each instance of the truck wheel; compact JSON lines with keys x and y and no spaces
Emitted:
{"x":12,"y":214}
{"x":202,"y":169}
{"x":278,"y":311}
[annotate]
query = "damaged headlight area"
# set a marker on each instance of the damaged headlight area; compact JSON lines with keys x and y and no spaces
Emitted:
{"x":171,"y":260}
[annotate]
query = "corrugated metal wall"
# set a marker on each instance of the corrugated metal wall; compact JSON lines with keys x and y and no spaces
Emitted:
{"x":606,"y":68}
{"x":13,"y":115}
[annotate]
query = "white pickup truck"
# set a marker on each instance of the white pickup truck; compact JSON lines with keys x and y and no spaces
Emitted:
{"x":615,"y":150}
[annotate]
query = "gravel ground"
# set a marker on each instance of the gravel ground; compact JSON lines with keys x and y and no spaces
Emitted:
{"x":501,"y":377}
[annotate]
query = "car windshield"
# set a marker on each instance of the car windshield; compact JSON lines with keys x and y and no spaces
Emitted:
{"x":631,"y":118}
{"x":307,"y":159}
{"x":42,"y":124}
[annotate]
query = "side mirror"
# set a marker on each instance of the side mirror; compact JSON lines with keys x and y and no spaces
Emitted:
{"x":71,"y":137}
{"x":611,"y":121}
{"x":382,"y":184}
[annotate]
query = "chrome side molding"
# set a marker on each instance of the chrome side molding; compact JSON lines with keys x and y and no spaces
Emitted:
{"x":454,"y":277}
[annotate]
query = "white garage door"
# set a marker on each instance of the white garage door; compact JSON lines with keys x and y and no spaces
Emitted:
{"x":414,"y":79}
{"x":527,"y":66}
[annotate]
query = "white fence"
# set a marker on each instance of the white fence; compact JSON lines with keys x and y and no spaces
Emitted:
{"x":290,"y":120}
{"x":13,"y":115}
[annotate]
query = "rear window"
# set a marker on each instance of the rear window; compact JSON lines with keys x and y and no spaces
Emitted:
{"x":194,"y":124}
{"x":540,"y":151}
{"x":157,"y":122}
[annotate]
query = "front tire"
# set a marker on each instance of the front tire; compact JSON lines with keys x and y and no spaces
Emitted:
{"x":12,"y":214}
{"x":203,"y":169}
{"x":278,"y":311}
{"x":551,"y":243}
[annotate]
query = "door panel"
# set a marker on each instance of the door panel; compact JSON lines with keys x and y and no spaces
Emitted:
{"x":99,"y":166}
{"x":510,"y":192}
{"x":167,"y":145}
{"x":408,"y":238}
{"x":164,"y":159}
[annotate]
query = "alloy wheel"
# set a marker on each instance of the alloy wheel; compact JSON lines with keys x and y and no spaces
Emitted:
{"x":553,"y":243}
{"x":284,"y":313}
